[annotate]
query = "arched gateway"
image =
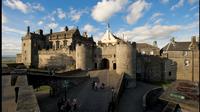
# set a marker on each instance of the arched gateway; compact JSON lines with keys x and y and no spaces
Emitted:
{"x":104,"y":63}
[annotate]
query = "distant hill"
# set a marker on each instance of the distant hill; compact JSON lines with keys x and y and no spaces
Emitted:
{"x":6,"y":60}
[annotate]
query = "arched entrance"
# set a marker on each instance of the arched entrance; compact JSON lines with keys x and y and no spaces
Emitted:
{"x":104,"y":64}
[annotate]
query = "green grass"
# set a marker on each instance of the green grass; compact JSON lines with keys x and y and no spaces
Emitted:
{"x":43,"y":89}
{"x":162,"y":84}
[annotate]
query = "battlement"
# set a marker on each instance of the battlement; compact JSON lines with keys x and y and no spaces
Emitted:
{"x":52,"y":51}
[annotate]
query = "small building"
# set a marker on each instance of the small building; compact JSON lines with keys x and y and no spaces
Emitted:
{"x":186,"y":56}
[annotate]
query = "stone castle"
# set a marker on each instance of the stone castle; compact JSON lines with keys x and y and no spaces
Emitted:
{"x":69,"y":50}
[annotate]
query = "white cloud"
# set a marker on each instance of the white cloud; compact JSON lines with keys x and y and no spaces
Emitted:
{"x":23,"y":7}
{"x":158,"y":21}
{"x":37,"y":6}
{"x":75,"y":15}
{"x":61,"y":13}
{"x":136,"y":11}
{"x":40,"y":22}
{"x":89,"y":28}
{"x":156,"y":15}
{"x":178,"y":5}
{"x":17,"y":4}
{"x":146,"y":32}
{"x":106,"y":8}
{"x":164,"y":1}
{"x":8,"y":29}
{"x":4,"y":19}
{"x":193,"y":8}
{"x":52,"y":25}
{"x":193,"y":1}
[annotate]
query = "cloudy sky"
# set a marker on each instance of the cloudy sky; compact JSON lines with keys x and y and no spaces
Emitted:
{"x":137,"y":20}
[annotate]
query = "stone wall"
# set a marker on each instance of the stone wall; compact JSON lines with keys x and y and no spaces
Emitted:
{"x":185,"y":64}
{"x":19,"y":58}
{"x":57,"y":59}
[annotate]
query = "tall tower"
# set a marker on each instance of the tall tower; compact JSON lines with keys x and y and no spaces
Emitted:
{"x":126,"y":61}
{"x":81,"y":56}
{"x":26,"y":48}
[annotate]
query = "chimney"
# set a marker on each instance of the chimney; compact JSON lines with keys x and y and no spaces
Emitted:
{"x":51,"y":31}
{"x":155,"y":44}
{"x":40,"y":31}
{"x":193,"y":40}
{"x":66,"y":28}
{"x":173,"y":40}
{"x":28,"y":30}
{"x":85,"y":34}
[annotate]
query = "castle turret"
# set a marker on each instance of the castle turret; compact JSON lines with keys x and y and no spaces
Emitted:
{"x":28,"y":29}
{"x":81,"y":56}
{"x":66,"y":28}
{"x":51,"y":31}
{"x":126,"y":61}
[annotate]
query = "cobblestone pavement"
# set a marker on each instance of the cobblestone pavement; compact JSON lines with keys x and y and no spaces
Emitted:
{"x":131,"y":100}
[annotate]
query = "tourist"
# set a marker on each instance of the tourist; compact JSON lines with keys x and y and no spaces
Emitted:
{"x":74,"y":105}
{"x":93,"y":84}
{"x":59,"y":104}
{"x":96,"y":85}
{"x":68,"y":105}
{"x":102,"y":86}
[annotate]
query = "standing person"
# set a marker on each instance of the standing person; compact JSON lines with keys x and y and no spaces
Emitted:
{"x":59,"y":104}
{"x":68,"y":105}
{"x":16,"y":93}
{"x":74,"y":105}
{"x":95,"y":85}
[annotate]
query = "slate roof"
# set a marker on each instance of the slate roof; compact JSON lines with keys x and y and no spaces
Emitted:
{"x":178,"y":46}
{"x":145,"y":45}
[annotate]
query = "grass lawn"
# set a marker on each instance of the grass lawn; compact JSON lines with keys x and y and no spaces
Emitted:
{"x":42,"y":89}
{"x":162,"y":84}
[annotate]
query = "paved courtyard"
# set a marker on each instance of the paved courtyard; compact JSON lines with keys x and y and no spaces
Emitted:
{"x":88,"y":99}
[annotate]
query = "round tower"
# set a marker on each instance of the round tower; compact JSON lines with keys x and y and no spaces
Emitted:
{"x":126,"y":61}
{"x":81,"y":56}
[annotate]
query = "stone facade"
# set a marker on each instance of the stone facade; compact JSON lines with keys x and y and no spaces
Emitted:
{"x":69,"y":50}
{"x":186,"y":56}
{"x":19,"y":58}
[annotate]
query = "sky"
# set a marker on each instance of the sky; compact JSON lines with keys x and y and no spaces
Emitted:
{"x":134,"y":20}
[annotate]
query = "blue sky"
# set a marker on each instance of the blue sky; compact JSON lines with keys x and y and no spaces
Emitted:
{"x":137,"y":20}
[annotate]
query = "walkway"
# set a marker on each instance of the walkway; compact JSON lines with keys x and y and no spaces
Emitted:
{"x":131,"y":100}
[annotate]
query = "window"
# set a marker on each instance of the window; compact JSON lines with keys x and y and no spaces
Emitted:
{"x":187,"y":63}
{"x":170,"y":73}
{"x":114,"y":55}
{"x":114,"y":66}
{"x":57,"y":44}
{"x":65,"y":42}
{"x":24,"y":44}
{"x":185,"y":53}
{"x":25,"y":51}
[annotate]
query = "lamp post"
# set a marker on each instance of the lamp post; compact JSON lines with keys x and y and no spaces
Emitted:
{"x":112,"y":93}
{"x":65,"y":84}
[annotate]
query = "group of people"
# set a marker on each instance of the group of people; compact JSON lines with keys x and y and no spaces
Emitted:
{"x":67,"y":105}
{"x":95,"y":85}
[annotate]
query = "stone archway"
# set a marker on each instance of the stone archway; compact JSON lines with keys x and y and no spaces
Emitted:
{"x":104,"y":63}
